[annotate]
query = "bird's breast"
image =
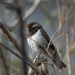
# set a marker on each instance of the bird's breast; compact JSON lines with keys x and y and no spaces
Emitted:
{"x":36,"y":40}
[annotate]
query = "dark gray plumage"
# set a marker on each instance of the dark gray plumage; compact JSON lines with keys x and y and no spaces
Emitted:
{"x":37,"y":33}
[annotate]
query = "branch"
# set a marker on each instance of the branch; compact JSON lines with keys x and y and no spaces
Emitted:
{"x":23,"y":41}
{"x":63,"y":20}
{"x":33,"y":8}
{"x":5,"y":30}
{"x":63,"y":33}
{"x":67,"y":43}
{"x":59,"y":33}
{"x":44,"y":67}
{"x":4,"y":62}
{"x":30,"y":64}
{"x":11,"y":51}
{"x":73,"y":36}
{"x":28,"y":13}
{"x":10,"y":37}
{"x":35,"y":62}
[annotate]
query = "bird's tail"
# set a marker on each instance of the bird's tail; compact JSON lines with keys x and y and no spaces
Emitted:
{"x":56,"y":60}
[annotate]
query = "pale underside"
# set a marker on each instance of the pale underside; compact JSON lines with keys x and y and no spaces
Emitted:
{"x":37,"y":41}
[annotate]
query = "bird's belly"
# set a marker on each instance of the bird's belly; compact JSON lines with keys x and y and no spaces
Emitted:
{"x":36,"y":41}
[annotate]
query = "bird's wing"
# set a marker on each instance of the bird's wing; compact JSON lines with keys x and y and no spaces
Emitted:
{"x":45,"y":35}
{"x":53,"y":52}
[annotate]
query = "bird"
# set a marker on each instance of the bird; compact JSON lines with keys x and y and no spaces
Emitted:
{"x":37,"y":38}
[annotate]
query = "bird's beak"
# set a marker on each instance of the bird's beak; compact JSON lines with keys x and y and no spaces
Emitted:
{"x":27,"y":25}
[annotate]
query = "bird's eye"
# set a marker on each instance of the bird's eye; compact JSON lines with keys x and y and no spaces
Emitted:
{"x":40,"y":46}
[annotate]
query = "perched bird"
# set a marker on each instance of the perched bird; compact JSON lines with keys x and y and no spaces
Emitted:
{"x":37,"y":38}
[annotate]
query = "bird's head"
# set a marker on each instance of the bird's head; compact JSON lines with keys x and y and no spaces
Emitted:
{"x":33,"y":25}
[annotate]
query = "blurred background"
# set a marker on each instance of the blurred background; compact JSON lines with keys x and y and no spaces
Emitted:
{"x":56,"y":16}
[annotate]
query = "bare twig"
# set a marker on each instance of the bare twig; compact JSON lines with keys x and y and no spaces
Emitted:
{"x":67,"y":43}
{"x":59,"y":33}
{"x":44,"y":67}
{"x":53,"y":69}
{"x":20,"y":11}
{"x":33,"y":8}
{"x":5,"y":30}
{"x":37,"y":58}
{"x":73,"y":36}
{"x":63,"y":33}
{"x":4,"y":62}
{"x":11,"y":38}
{"x":9,"y":66}
{"x":18,"y":70}
{"x":63,"y":19}
{"x":11,"y":51}
{"x":30,"y":64}
{"x":8,"y":63}
{"x":51,"y":57}
{"x":28,"y":13}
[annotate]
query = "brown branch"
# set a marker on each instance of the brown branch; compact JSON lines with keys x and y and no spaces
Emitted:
{"x":4,"y":62}
{"x":73,"y":36}
{"x":28,"y":12}
{"x":23,"y":41}
{"x":40,"y":61}
{"x":67,"y":43}
{"x":9,"y":65}
{"x":59,"y":33}
{"x":18,"y":70}
{"x":64,"y":19}
{"x":5,"y":30}
{"x":59,"y":27}
{"x":35,"y":62}
{"x":30,"y":64}
{"x":63,"y":33}
{"x":59,"y":11}
{"x":11,"y":38}
{"x":11,"y":51}
{"x":44,"y":67}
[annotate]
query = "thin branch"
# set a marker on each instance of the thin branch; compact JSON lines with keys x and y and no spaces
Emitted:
{"x":21,"y":27}
{"x":44,"y":67}
{"x":54,"y":69}
{"x":33,"y":8}
{"x":11,"y":38}
{"x":64,"y":19}
{"x":59,"y":33}
{"x":59,"y":11}
{"x":18,"y":70}
{"x":27,"y":13}
{"x":62,"y":34}
{"x":5,"y":30}
{"x":37,"y":58}
{"x":67,"y":43}
{"x":8,"y":63}
{"x":4,"y":62}
{"x":30,"y":64}
{"x":11,"y":51}
{"x":73,"y":36}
